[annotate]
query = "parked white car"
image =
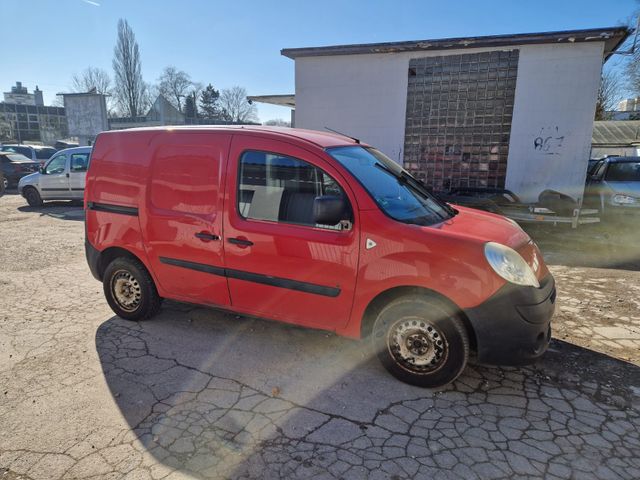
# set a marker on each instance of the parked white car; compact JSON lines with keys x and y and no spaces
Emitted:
{"x":61,"y":178}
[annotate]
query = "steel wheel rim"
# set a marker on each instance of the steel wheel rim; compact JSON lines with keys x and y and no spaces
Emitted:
{"x":417,"y":345}
{"x":126,"y":290}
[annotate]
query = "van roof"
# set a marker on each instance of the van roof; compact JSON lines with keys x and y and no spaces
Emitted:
{"x":320,"y":139}
{"x":76,"y":149}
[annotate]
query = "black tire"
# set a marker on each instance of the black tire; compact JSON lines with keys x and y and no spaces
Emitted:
{"x":421,"y":340}
{"x":33,"y":197}
{"x":135,"y":283}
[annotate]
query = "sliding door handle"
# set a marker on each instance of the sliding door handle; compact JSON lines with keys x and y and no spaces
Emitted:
{"x":242,"y":242}
{"x":206,"y":236}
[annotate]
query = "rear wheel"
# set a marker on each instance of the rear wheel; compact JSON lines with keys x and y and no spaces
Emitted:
{"x":130,"y":290}
{"x":421,"y":340}
{"x":33,"y":197}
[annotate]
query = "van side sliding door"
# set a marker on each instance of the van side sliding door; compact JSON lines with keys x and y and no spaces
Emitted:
{"x":182,"y":219}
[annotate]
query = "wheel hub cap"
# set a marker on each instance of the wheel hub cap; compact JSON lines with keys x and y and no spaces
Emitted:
{"x":417,"y":345}
{"x":126,"y":290}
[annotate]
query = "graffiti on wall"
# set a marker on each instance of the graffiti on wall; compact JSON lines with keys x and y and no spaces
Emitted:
{"x":549,"y":141}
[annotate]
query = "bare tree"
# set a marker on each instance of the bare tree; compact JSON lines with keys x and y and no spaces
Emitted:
{"x":130,"y":90}
{"x":175,"y":85}
{"x":235,"y":106}
{"x":91,"y":78}
{"x":608,"y":94}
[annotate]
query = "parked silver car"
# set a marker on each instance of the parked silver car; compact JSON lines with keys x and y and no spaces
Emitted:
{"x":614,"y":187}
{"x":61,"y":178}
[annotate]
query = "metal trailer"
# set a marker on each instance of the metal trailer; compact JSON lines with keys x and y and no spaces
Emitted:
{"x":553,"y":207}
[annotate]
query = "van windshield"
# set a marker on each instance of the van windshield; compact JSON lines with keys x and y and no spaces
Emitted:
{"x":396,"y":192}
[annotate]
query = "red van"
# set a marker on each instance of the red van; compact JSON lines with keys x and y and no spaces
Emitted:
{"x":318,"y":230}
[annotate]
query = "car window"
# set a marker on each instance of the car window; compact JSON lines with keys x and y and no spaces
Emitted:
{"x":79,"y":162}
{"x":282,"y":189}
{"x":26,"y":151}
{"x":624,"y":172}
{"x":45,"y":153}
{"x":56,"y":165}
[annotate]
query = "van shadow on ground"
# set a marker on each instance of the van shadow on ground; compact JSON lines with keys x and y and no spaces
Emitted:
{"x":216,"y":395}
{"x":62,"y":210}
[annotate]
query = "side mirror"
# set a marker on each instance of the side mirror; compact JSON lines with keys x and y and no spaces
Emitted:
{"x":329,"y":209}
{"x":41,"y":169}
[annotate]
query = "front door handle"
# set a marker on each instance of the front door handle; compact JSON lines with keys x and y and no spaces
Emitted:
{"x":206,"y":236}
{"x":243,"y":242}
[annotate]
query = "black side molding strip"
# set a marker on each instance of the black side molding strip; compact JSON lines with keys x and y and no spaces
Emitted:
{"x":255,"y":277}
{"x":200,"y":267}
{"x":106,"y":207}
{"x":284,"y":283}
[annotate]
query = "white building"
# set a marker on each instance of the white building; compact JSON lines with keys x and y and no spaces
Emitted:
{"x":19,"y":95}
{"x":505,"y":111}
{"x":629,"y":105}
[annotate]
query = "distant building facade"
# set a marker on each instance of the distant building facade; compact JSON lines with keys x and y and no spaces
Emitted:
{"x":20,"y":95}
{"x":160,"y":113}
{"x":628,"y":109}
{"x":25,"y":118}
{"x":615,"y":138}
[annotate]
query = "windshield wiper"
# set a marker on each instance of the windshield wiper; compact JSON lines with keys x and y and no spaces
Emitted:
{"x":425,"y":190}
{"x":405,"y":179}
{"x":410,"y":180}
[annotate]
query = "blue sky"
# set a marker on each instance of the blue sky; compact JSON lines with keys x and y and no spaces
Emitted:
{"x":238,"y":42}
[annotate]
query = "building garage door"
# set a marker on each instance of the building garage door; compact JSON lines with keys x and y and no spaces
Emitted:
{"x":458,"y":119}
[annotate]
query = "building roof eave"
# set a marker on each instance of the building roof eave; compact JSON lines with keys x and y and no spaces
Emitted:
{"x":612,"y":36}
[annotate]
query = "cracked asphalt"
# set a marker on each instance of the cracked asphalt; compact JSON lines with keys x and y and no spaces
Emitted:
{"x":199,"y":393}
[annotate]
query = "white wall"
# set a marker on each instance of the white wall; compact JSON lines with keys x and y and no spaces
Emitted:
{"x":365,"y":96}
{"x":553,"y":115}
{"x":360,"y":95}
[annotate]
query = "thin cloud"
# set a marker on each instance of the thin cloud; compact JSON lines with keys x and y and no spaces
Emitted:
{"x":91,"y":2}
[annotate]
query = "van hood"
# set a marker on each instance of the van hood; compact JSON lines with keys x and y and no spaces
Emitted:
{"x":485,"y":227}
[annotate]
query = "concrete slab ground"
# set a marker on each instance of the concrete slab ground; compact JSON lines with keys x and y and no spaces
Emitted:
{"x":199,"y":393}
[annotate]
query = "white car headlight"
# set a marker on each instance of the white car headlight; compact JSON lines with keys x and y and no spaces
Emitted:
{"x":508,"y":263}
{"x":624,"y":199}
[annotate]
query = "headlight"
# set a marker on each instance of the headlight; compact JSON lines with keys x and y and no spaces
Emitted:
{"x":624,"y":199}
{"x":508,"y":263}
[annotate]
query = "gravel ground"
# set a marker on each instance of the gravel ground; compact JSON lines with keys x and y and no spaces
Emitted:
{"x":201,"y":393}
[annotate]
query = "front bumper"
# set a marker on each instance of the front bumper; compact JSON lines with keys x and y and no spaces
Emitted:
{"x":513,"y":327}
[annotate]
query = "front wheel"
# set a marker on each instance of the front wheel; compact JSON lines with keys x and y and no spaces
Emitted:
{"x":130,"y":290}
{"x":33,"y":197}
{"x":421,"y":340}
